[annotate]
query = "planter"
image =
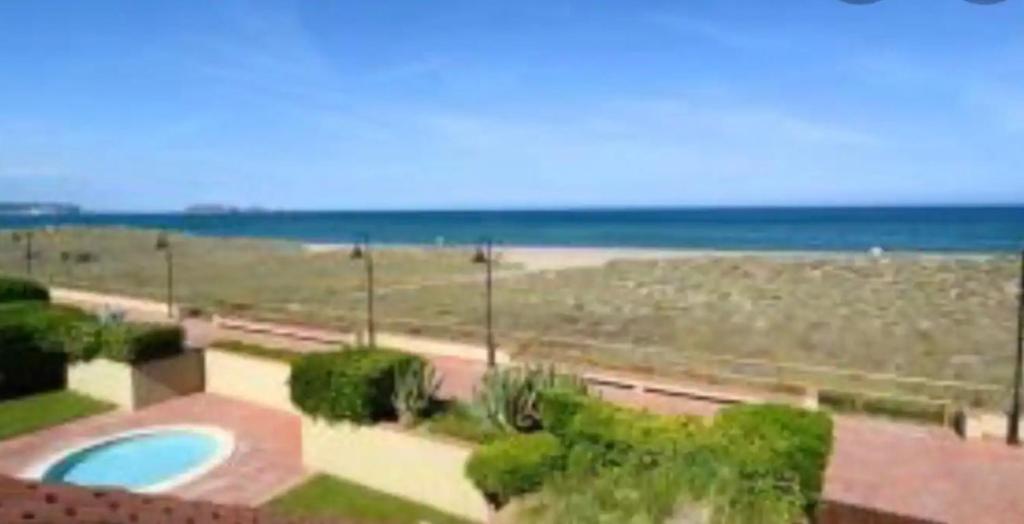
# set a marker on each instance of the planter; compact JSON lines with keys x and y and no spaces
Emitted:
{"x":136,"y":386}
{"x":416,"y":467}
{"x":261,"y":381}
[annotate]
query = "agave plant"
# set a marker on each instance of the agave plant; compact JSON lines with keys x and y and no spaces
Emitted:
{"x":509,"y":397}
{"x":415,"y":389}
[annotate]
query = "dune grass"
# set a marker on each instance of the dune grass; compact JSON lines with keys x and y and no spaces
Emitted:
{"x":943,"y":318}
{"x":326,"y":496}
{"x":32,"y":413}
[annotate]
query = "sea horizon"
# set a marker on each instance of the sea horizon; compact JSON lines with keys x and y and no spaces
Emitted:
{"x":929,"y":228}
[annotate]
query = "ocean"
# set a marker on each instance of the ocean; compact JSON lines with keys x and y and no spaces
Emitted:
{"x":937,"y":229}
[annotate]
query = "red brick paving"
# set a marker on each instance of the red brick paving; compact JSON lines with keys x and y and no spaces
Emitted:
{"x":925,"y":472}
{"x":267,"y":458}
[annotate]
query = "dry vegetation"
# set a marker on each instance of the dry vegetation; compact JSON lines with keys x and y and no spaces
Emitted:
{"x":936,"y":317}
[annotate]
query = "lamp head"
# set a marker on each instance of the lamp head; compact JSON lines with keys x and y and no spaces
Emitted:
{"x":162,"y":242}
{"x":479,"y":257}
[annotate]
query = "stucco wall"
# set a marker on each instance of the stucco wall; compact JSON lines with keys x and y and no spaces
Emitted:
{"x":252,"y":379}
{"x":416,"y":467}
{"x":103,"y":379}
{"x":136,"y":387}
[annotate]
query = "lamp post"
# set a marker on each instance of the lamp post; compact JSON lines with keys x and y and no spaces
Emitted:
{"x":163,"y":243}
{"x":361,"y":251}
{"x":27,"y":237}
{"x":1013,"y":431}
{"x":485,"y":255}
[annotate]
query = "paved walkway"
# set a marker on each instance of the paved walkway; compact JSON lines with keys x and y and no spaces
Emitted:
{"x":267,"y":458}
{"x":926,"y":472}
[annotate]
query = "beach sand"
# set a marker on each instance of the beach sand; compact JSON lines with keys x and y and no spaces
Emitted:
{"x":553,"y":258}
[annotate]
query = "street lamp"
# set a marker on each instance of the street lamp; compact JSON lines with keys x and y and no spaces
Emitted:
{"x":361,"y":251}
{"x":485,"y":255}
{"x":27,"y":236}
{"x":1013,"y":431}
{"x":163,"y":243}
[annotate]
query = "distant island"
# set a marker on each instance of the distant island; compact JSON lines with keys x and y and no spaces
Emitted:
{"x":38,"y":208}
{"x":220,"y":209}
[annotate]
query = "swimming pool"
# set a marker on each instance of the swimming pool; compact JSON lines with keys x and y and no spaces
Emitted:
{"x":146,"y":460}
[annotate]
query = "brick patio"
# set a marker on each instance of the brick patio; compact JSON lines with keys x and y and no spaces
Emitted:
{"x":266,"y":460}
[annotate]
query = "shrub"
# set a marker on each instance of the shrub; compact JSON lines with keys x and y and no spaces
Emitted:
{"x":356,"y":385}
{"x":589,"y":491}
{"x":779,"y":443}
{"x":20,"y":289}
{"x":558,"y":407}
{"x":415,"y":388}
{"x":614,"y":431}
{"x":514,"y":465}
{"x":137,"y":343}
{"x":510,"y":396}
{"x":31,"y":355}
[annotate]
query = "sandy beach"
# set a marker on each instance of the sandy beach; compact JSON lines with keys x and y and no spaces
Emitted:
{"x":543,"y":258}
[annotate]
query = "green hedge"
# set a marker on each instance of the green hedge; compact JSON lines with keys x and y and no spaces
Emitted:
{"x":778,"y":442}
{"x":32,"y":359}
{"x":146,"y":342}
{"x":354,"y":385}
{"x":19,"y":289}
{"x":515,"y":465}
{"x":612,"y":430}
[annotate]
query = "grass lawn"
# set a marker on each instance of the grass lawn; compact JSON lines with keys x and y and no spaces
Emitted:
{"x":326,"y":496}
{"x":28,"y":414}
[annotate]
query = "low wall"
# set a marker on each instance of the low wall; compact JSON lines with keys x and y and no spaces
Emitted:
{"x":430,"y":347}
{"x":419,"y":468}
{"x":134,"y":387}
{"x":257,"y":380}
{"x":105,"y":380}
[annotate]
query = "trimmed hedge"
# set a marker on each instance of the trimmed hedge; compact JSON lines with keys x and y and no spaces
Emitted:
{"x":354,"y":385}
{"x":612,"y":430}
{"x":515,"y":465}
{"x":32,"y":359}
{"x":20,"y":289}
{"x":779,"y":442}
{"x":145,"y":342}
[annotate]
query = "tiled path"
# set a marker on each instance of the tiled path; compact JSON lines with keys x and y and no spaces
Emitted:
{"x":266,"y":460}
{"x":925,"y":472}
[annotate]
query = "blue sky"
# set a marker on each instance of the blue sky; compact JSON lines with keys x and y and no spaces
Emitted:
{"x":144,"y":105}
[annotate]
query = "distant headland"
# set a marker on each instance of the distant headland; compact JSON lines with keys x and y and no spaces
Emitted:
{"x":38,"y":208}
{"x":221,"y":209}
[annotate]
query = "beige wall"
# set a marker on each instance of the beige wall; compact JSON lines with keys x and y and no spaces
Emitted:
{"x":136,"y":387}
{"x":252,"y":379}
{"x":103,"y":379}
{"x":415,"y":467}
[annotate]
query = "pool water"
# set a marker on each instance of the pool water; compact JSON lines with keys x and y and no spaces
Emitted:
{"x":136,"y":462}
